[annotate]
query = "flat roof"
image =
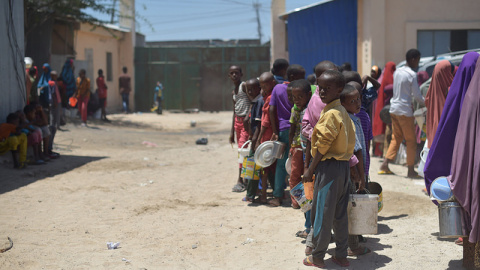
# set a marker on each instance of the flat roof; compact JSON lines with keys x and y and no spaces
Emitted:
{"x":284,"y":16}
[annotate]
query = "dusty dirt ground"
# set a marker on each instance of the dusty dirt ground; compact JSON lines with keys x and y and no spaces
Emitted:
{"x":171,"y":206}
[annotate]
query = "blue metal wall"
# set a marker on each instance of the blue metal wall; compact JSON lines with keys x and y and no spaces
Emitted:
{"x":324,"y":32}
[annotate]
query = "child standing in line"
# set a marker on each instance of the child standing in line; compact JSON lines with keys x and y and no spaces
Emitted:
{"x":280,"y":110}
{"x":351,"y":100}
{"x":102,"y":94}
{"x":267,"y":83}
{"x":333,"y":141}
{"x":253,"y":92}
{"x":14,"y":141}
{"x":301,"y":92}
{"x":241,"y":105}
{"x":367,"y":132}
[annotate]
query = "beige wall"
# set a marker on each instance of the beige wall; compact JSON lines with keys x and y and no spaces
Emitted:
{"x":388,"y":28}
{"x":100,"y":41}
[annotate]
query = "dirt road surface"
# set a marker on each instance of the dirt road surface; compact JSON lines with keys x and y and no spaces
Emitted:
{"x":143,"y":182}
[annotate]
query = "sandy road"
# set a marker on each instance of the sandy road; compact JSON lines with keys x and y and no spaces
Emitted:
{"x":171,"y":207}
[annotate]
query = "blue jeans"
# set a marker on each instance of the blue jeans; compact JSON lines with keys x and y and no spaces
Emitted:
{"x":125,"y":97}
{"x":280,"y":172}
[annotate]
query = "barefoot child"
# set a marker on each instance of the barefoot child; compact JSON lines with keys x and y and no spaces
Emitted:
{"x":267,"y":83}
{"x":301,"y":92}
{"x":241,"y":105}
{"x":253,"y":92}
{"x":12,"y":140}
{"x":333,"y":141}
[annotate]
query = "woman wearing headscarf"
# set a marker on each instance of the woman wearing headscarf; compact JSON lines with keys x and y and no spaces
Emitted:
{"x":68,"y":78}
{"x":465,"y":168}
{"x":42,"y":86}
{"x":378,"y":124}
{"x":442,"y":78}
{"x":439,"y":158}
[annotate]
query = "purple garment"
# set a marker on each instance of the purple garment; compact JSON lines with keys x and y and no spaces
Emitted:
{"x":439,"y":158}
{"x":465,"y":168}
{"x":280,"y":100}
{"x":367,"y":132}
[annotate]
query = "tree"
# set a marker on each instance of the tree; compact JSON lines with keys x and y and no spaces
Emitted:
{"x":39,"y":11}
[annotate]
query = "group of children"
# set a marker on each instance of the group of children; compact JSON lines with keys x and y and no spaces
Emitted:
{"x":326,"y":131}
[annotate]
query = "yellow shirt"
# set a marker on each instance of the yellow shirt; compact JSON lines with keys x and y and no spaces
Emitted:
{"x":334,"y":134}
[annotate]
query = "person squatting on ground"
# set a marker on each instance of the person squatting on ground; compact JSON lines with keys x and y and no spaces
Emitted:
{"x":11,"y":139}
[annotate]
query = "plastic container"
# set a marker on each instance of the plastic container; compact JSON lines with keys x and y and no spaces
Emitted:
{"x":423,"y":159}
{"x":440,"y":190}
{"x":362,"y":214}
{"x":376,"y":188}
{"x":250,"y":170}
{"x":450,"y":220}
{"x":244,"y":151}
{"x":298,"y":194}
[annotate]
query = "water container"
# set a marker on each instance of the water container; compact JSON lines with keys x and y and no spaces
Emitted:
{"x":450,"y":220}
{"x":362,"y":214}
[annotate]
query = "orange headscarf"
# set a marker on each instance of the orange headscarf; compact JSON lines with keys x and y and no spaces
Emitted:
{"x":378,"y":125}
{"x":442,"y":78}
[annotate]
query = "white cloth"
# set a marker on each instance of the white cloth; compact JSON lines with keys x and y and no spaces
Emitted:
{"x":405,"y":85}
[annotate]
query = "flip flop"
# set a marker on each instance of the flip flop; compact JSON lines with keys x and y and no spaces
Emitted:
{"x":238,"y":188}
{"x":307,"y":262}
{"x":336,"y":261}
{"x":415,"y":177}
{"x":381,"y":172}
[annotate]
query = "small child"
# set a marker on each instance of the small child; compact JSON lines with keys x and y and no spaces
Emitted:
{"x":253,"y":92}
{"x":333,"y":141}
{"x":267,"y":83}
{"x":35,"y":115}
{"x":83,"y":95}
{"x":281,"y":105}
{"x":13,"y":140}
{"x":241,"y":108}
{"x":367,"y":133}
{"x":301,"y":92}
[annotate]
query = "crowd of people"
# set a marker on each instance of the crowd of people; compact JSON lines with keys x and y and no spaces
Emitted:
{"x":49,"y":96}
{"x":325,"y":121}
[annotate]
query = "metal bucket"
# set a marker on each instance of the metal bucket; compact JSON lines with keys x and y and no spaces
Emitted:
{"x":450,"y":220}
{"x":376,"y":188}
{"x":278,"y":149}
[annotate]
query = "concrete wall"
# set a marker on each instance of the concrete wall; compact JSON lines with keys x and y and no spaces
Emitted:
{"x":92,"y":46}
{"x":278,"y":41}
{"x":388,"y":28}
{"x":12,"y":65}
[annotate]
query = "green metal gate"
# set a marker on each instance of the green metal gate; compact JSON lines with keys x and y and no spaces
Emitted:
{"x":194,"y":77}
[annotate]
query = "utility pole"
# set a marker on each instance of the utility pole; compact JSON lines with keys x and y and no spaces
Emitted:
{"x":256,"y":6}
{"x":113,"y":11}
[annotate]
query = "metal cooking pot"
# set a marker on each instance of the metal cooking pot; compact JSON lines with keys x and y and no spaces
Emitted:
{"x":278,"y":149}
{"x":268,"y":152}
{"x":450,"y":220}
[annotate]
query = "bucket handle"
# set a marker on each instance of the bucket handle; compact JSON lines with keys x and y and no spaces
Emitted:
{"x":354,"y":204}
{"x":424,"y":159}
{"x":247,"y":142}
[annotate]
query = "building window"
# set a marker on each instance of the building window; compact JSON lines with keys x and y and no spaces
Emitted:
{"x":434,"y":42}
{"x":109,"y":67}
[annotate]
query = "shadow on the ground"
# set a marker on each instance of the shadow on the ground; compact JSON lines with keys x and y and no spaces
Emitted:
{"x":436,"y":234}
{"x":11,"y":179}
{"x":455,"y":264}
{"x":380,"y":218}
{"x":384,"y":229}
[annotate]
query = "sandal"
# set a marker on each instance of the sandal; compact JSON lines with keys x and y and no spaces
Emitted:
{"x":302,"y":234}
{"x":359,"y":251}
{"x":382,"y":172}
{"x":342,"y":262}
{"x":275,"y":202}
{"x":308,"y":262}
{"x":238,"y":188}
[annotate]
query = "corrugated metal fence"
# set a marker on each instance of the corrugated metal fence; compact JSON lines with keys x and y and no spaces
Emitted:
{"x":194,"y":77}
{"x":327,"y":31}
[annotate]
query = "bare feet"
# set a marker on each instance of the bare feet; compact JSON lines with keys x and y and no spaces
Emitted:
{"x":275,"y":202}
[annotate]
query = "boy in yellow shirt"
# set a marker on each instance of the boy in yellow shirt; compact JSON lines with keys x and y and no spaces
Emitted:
{"x":333,"y":142}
